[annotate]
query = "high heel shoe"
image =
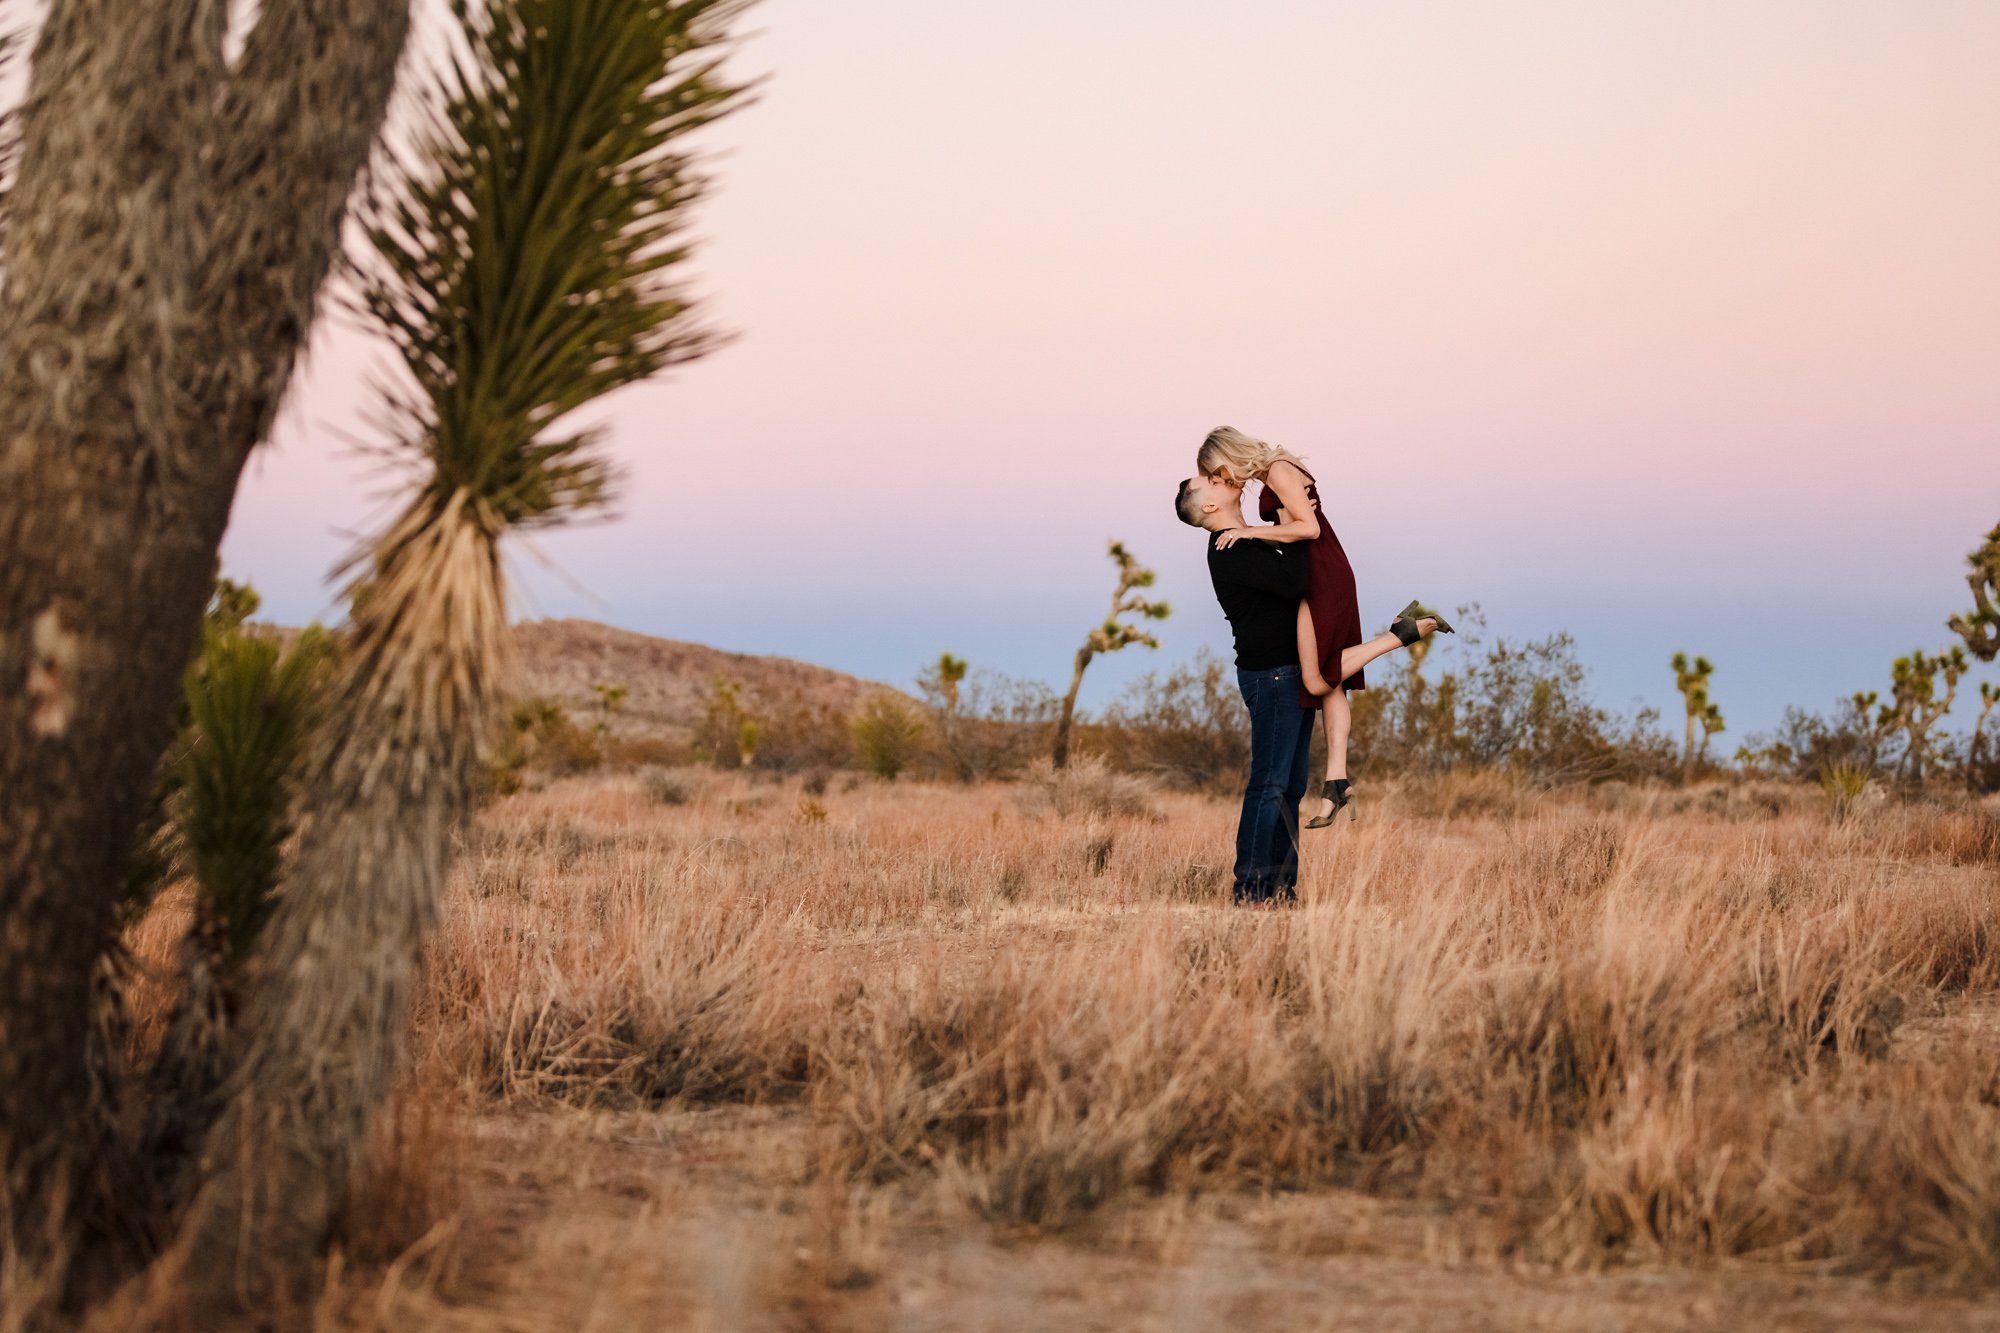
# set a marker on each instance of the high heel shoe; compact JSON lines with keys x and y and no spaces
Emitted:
{"x":1340,"y":792}
{"x":1404,"y":626}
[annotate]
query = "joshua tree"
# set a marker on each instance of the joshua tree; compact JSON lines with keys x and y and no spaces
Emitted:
{"x":1112,"y":635}
{"x":1702,"y":715}
{"x":1867,"y":725}
{"x":1711,"y":724}
{"x":1980,"y":627}
{"x":177,"y":199}
{"x":949,"y":673}
{"x":1915,"y":705}
{"x":520,"y":258}
{"x":940,"y":682}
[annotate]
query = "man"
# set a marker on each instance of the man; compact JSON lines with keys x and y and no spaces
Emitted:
{"x":1260,"y":585}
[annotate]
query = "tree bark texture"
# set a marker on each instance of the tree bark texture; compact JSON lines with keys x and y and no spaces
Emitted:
{"x":387,"y":789}
{"x":170,"y":225}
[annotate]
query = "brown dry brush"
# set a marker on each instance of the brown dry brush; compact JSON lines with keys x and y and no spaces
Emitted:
{"x":1619,"y":1037}
{"x":172,"y":215}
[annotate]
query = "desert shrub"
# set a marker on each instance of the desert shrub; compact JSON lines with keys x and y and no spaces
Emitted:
{"x":720,"y":732}
{"x":1807,"y":745}
{"x":887,"y":736}
{"x":643,"y":752}
{"x":1186,"y":726}
{"x":540,"y":736}
{"x":1466,"y":794}
{"x":1000,"y":726}
{"x":1863,"y":735}
{"x":1969,"y":837}
{"x":667,"y":787}
{"x":1087,"y":786}
{"x":1523,"y":707}
{"x":807,"y":738}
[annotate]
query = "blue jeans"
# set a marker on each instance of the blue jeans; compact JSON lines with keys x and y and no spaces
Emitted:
{"x":1267,"y":832}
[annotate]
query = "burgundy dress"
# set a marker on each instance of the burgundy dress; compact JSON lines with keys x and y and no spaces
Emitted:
{"x":1336,"y":610}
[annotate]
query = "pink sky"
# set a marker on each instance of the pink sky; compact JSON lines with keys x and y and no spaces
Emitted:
{"x":1659,"y":323}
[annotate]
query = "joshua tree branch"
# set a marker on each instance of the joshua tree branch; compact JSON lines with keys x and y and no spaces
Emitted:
{"x":1981,"y":628}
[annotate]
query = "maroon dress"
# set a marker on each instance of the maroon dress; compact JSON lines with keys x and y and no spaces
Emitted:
{"x":1336,"y":610}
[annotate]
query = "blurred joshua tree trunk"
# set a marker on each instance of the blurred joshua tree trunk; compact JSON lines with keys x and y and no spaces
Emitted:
{"x":172,"y":216}
{"x":1109,"y":637}
{"x":1980,"y":627}
{"x":520,"y":258}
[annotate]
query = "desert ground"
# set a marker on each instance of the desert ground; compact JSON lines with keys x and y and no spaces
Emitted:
{"x":703,"y":1051}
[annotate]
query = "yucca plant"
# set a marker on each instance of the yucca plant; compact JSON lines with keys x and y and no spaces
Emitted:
{"x":229,"y":791}
{"x":250,"y":702}
{"x":220,"y":808}
{"x":522,"y":259}
{"x":1844,"y":786}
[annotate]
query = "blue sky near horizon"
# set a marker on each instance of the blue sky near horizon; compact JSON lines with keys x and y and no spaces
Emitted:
{"x":1670,"y":325}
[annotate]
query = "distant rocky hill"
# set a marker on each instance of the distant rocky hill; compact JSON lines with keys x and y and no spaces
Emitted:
{"x":668,"y":683}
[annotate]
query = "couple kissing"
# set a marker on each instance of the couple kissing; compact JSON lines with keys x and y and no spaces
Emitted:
{"x":1288,"y":592}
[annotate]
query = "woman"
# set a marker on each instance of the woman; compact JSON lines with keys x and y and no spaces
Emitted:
{"x":1331,"y":648}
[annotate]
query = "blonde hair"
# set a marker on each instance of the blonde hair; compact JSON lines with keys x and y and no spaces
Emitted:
{"x":1246,"y":457}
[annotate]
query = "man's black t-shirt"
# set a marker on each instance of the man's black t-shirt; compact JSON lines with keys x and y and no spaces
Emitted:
{"x":1260,"y":586}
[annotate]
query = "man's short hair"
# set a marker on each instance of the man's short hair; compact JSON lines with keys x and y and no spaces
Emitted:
{"x":1187,"y":505}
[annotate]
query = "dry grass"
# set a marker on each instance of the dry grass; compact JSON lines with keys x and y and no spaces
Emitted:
{"x":759,"y":1068}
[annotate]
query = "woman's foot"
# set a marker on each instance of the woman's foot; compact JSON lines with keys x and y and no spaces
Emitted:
{"x":1413,"y":623}
{"x":1338,"y":794}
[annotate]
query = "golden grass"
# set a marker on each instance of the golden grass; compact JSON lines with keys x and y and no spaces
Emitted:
{"x":1579,"y":1034}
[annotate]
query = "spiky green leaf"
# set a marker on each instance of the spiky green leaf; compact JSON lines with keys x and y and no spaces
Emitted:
{"x":524,"y":255}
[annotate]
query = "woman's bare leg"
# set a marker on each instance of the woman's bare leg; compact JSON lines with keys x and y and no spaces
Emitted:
{"x":1339,"y":722}
{"x":1340,"y":712}
{"x":1361,"y":654}
{"x":1310,"y":675}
